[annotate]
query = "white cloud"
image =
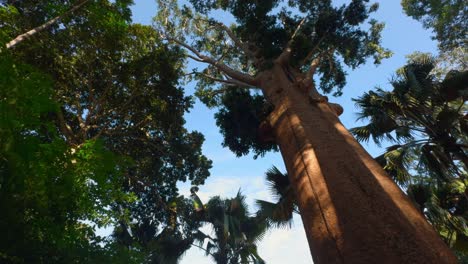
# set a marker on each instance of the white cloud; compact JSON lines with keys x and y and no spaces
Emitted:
{"x":286,"y":246}
{"x":279,"y":245}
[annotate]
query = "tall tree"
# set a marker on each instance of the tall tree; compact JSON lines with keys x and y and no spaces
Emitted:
{"x":351,"y":210}
{"x":48,"y":191}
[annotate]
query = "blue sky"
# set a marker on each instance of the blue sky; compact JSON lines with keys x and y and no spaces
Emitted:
{"x":401,"y":35}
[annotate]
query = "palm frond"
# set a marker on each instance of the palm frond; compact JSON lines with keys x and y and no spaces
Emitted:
{"x":378,"y":130}
{"x":420,"y":193}
{"x":277,"y":181}
{"x":443,"y":219}
{"x":397,"y":162}
{"x":361,"y":133}
{"x":436,"y":162}
{"x":454,"y":85}
{"x":404,"y":134}
{"x":236,"y":232}
{"x":279,"y":215}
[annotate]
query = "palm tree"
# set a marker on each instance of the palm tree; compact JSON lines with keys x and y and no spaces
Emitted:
{"x":236,"y":233}
{"x":279,"y":214}
{"x":426,"y":119}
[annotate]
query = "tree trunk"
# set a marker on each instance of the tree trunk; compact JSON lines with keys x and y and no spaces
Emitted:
{"x":351,"y":210}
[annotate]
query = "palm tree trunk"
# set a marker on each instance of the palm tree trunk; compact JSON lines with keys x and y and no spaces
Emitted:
{"x":351,"y":210}
{"x":32,"y":32}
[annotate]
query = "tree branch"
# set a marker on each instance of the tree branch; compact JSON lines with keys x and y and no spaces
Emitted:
{"x":32,"y":32}
{"x":203,"y":249}
{"x":312,"y":52}
{"x":65,"y":128}
{"x":298,"y":28}
{"x":243,"y":77}
{"x":284,"y":57}
{"x":239,"y":43}
{"x":313,"y":67}
{"x":232,"y":82}
{"x":195,"y":58}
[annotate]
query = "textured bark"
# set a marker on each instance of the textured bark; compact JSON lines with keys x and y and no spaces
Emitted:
{"x":351,"y":210}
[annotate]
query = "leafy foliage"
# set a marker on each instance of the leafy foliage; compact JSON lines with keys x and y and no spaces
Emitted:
{"x":239,"y":121}
{"x":448,"y":20}
{"x":278,"y":214}
{"x":236,"y":233}
{"x":267,"y":26}
{"x":102,"y":136}
{"x":46,"y":188}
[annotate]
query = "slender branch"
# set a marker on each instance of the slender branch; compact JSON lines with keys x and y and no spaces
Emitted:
{"x":298,"y":28}
{"x":106,"y":130}
{"x":243,"y":77}
{"x":223,"y":90}
{"x":79,"y":115}
{"x":65,"y":128}
{"x":195,"y":58}
{"x":239,"y":43}
{"x":232,"y":82}
{"x":32,"y":32}
{"x":121,"y":108}
{"x":92,"y":102}
{"x":286,"y":54}
{"x":308,"y":80}
{"x":312,"y":51}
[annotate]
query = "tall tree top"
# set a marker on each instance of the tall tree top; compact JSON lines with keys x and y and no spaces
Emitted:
{"x":305,"y":34}
{"x":313,"y":40}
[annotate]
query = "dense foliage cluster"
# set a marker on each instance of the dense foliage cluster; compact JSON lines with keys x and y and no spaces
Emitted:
{"x":239,"y":120}
{"x":92,"y":135}
{"x":447,"y":19}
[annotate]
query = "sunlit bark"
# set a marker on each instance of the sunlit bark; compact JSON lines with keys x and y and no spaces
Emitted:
{"x":351,"y":210}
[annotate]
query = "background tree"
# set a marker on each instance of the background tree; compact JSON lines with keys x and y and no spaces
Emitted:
{"x":426,"y":118}
{"x":47,"y":191}
{"x":448,"y":20}
{"x":236,"y":233}
{"x":116,"y":123}
{"x":280,"y":47}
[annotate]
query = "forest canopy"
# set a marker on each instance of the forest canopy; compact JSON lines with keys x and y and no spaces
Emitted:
{"x":94,"y":142}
